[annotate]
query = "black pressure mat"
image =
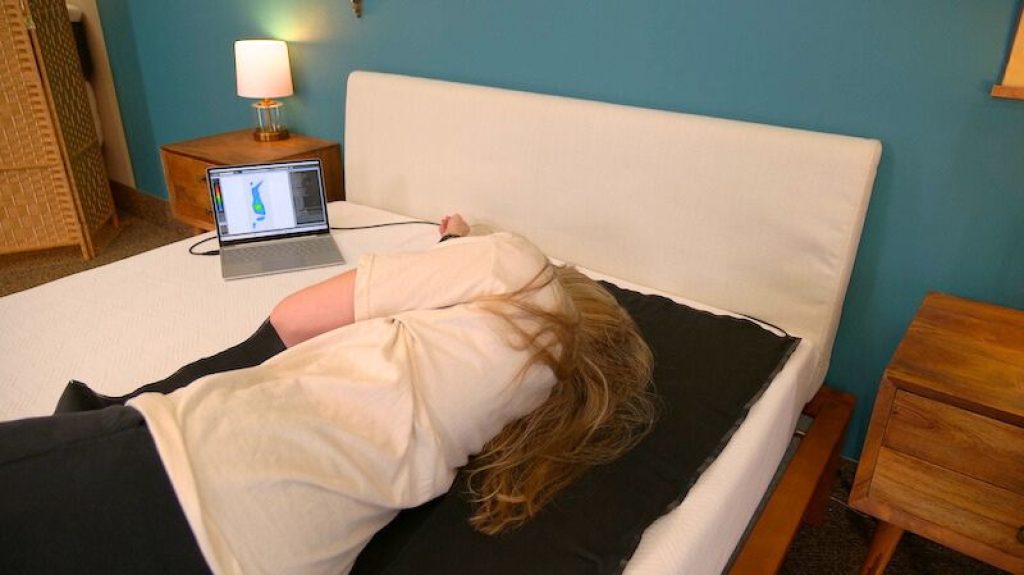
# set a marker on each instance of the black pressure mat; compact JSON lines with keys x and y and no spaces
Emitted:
{"x":708,"y":371}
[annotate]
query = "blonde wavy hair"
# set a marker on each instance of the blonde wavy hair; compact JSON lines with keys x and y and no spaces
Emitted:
{"x":599,"y":408}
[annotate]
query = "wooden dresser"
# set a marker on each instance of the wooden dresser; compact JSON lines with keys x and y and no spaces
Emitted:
{"x":944,"y":455}
{"x":185,"y":166}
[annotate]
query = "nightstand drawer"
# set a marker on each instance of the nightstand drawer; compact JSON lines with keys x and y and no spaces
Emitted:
{"x":977,"y":510}
{"x":186,"y":183}
{"x":957,"y":439}
{"x":944,"y":454}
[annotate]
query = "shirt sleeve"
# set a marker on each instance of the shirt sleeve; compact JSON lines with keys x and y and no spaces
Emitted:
{"x":450,"y":273}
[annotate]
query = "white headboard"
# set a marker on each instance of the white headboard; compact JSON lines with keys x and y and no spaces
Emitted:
{"x":756,"y":219}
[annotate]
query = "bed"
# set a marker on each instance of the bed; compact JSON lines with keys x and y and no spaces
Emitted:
{"x":735,"y":218}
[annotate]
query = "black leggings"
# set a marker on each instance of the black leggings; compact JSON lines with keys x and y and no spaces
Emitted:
{"x":84,"y":490}
{"x":261,"y":345}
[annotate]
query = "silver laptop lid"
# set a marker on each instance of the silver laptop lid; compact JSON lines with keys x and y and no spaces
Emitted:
{"x":268,"y":201}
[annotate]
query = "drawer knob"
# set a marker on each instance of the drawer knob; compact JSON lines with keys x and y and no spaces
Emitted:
{"x":1020,"y":535}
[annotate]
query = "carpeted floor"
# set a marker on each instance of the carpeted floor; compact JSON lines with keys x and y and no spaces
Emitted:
{"x":136,"y":235}
{"x":836,"y":548}
{"x":839,"y":546}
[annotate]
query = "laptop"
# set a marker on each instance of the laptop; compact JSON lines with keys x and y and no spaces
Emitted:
{"x":271,"y":218}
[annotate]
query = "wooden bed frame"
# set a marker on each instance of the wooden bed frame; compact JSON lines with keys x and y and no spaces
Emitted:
{"x":803,"y":492}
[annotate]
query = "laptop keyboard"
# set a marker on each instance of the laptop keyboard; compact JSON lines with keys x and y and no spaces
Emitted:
{"x":290,"y":250}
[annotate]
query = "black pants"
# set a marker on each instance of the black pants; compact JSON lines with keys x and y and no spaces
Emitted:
{"x":261,"y":345}
{"x":84,"y":490}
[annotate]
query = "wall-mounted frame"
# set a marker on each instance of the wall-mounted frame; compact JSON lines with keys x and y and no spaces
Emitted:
{"x":1012,"y":85}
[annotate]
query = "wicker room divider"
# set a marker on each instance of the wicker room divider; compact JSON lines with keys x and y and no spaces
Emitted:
{"x":54,"y":189}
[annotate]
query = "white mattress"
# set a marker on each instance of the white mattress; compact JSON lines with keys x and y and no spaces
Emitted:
{"x":135,"y":321}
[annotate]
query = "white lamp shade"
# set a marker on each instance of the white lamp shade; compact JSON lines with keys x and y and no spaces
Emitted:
{"x":262,"y":69}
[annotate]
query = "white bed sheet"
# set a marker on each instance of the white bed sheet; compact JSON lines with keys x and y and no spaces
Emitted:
{"x":138,"y":320}
{"x":135,"y":321}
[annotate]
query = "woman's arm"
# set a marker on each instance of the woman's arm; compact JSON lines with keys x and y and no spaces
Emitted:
{"x":328,"y":305}
{"x":316,"y":309}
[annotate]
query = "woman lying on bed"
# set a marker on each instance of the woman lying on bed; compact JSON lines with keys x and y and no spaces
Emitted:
{"x":396,"y":374}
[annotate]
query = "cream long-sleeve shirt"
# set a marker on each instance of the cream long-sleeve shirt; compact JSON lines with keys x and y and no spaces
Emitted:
{"x":292,"y":466}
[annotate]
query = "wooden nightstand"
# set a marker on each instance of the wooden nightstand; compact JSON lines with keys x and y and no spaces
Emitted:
{"x":944,"y":455}
{"x":185,"y":166}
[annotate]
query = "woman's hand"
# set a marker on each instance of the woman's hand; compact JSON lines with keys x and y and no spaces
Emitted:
{"x":453,"y":225}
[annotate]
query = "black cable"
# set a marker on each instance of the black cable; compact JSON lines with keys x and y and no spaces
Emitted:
{"x":192,"y":248}
{"x":772,"y":325}
{"x":388,"y":224}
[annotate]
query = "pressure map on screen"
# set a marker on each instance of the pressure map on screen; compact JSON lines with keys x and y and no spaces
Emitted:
{"x":258,"y":202}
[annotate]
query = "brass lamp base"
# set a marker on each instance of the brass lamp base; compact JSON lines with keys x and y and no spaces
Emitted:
{"x":269,"y":126}
{"x":270,"y":136}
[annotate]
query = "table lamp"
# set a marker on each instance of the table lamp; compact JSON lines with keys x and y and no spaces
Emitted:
{"x":263,"y":72}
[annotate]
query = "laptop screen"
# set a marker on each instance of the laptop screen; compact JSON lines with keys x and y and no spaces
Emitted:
{"x":268,"y":200}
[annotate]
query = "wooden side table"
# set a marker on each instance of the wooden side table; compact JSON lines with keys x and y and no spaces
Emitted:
{"x":185,"y":166}
{"x":944,"y":456}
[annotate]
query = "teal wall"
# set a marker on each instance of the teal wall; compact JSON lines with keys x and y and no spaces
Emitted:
{"x":948,"y":207}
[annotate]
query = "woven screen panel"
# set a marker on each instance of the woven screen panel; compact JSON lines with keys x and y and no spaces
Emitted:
{"x":36,"y":207}
{"x":26,"y":135}
{"x":63,"y":73}
{"x":28,"y":220}
{"x":74,"y":116}
{"x":93,"y":187}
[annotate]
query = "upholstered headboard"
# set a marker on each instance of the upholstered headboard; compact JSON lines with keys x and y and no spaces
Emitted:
{"x":756,"y":219}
